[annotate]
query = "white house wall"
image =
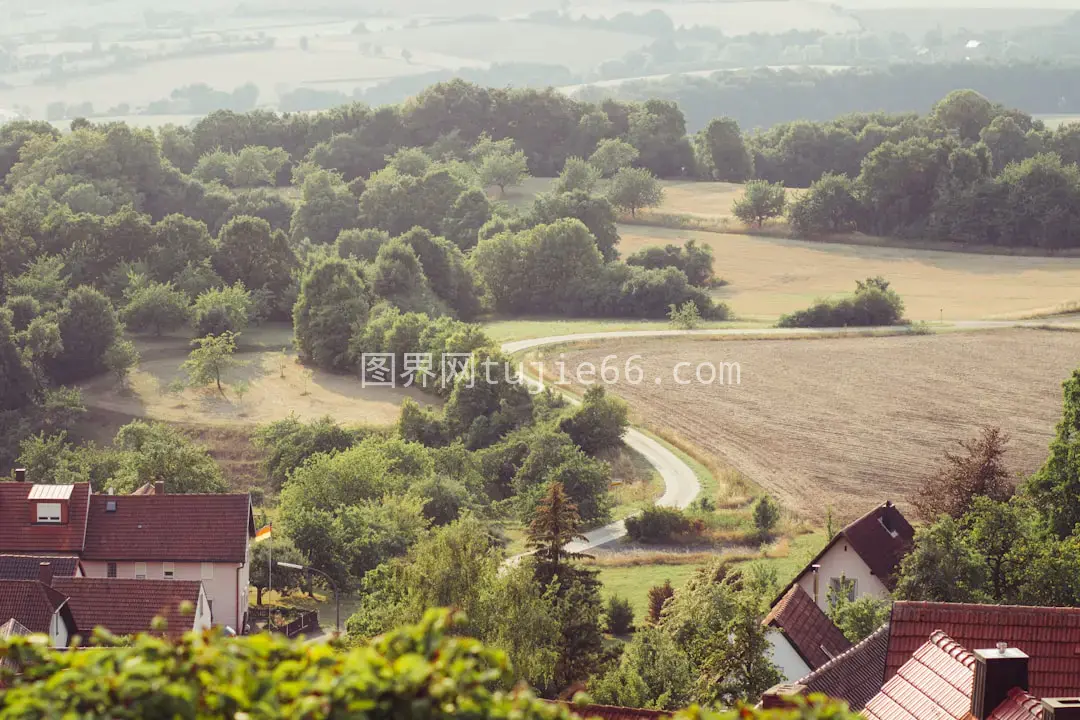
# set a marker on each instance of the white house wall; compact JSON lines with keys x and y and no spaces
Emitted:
{"x":791,"y":664}
{"x":841,"y":560}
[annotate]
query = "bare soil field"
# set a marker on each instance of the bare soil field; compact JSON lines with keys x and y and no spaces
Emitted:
{"x":768,"y":277}
{"x":849,"y":423}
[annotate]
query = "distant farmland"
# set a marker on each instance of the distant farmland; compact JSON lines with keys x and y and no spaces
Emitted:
{"x":849,"y":423}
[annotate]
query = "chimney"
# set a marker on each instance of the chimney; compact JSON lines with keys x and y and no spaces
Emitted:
{"x":781,"y":697}
{"x":159,"y":487}
{"x":20,"y":474}
{"x":997,"y":672}
{"x":886,"y":516}
{"x":45,"y":573}
{"x":1060,"y":708}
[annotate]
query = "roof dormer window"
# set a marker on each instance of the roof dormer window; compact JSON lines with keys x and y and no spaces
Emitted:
{"x":49,"y":512}
{"x":49,"y":503}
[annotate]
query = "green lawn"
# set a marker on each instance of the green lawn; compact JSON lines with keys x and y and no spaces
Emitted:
{"x":633,"y":583}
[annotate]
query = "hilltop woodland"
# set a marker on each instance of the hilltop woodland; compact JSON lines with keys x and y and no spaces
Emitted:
{"x":384,"y":231}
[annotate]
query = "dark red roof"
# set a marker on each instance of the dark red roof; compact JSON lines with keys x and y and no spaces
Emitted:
{"x":1049,"y":636}
{"x":191,"y":528}
{"x":126,"y":606}
{"x":613,"y":712}
{"x":856,"y":676}
{"x":933,"y":684}
{"x":28,"y":567}
{"x":29,"y":603}
{"x":882,"y":538}
{"x":807,"y":628}
{"x":19,"y":535}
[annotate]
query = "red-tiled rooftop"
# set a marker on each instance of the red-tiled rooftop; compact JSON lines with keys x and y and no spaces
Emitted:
{"x":935,"y":682}
{"x":126,"y":606}
{"x":29,"y":603}
{"x":1020,"y":705}
{"x":855,"y":676}
{"x":28,"y":567}
{"x":19,"y":535}
{"x":612,"y":712}
{"x":810,"y":631}
{"x":1049,"y":636}
{"x":206,"y":528}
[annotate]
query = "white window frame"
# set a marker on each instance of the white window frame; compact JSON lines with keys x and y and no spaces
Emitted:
{"x":50,"y":512}
{"x":168,"y":570}
{"x":140,"y":571}
{"x":206,"y":571}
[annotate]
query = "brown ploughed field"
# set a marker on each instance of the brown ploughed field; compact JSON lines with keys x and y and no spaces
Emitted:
{"x":847,"y":423}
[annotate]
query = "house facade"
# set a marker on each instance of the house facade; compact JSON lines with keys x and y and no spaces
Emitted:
{"x":866,"y":554}
{"x":155,"y":536}
{"x":801,"y":637}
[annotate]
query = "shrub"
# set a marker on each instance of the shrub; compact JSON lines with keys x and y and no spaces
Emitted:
{"x":658,"y":596}
{"x":766,"y":514}
{"x":657,"y":524}
{"x":685,"y":317}
{"x":873,"y":304}
{"x":696,"y":261}
{"x":620,"y":616}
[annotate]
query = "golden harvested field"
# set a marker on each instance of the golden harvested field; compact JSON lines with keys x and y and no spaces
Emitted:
{"x":277,"y":387}
{"x":771,"y":276}
{"x":849,"y":423}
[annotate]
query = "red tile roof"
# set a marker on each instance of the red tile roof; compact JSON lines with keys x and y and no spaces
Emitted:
{"x":19,"y":535}
{"x":192,"y":528}
{"x":856,"y":676}
{"x":612,"y":712}
{"x":28,"y":567}
{"x":1049,"y":636}
{"x":1019,"y":705}
{"x":934,"y":684}
{"x":125,"y":606}
{"x":29,"y":603}
{"x":807,"y":628}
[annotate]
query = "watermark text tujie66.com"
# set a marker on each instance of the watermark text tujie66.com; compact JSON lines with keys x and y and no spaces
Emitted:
{"x":425,"y":370}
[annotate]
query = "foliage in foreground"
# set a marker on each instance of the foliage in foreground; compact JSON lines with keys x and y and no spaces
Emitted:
{"x":417,"y":672}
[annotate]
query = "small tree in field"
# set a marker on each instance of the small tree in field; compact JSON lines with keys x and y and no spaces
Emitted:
{"x":685,"y":317}
{"x":503,"y":170}
{"x":658,"y":595}
{"x":979,"y":470}
{"x":766,"y":515}
{"x":620,"y":616}
{"x":761,"y":201}
{"x":212,"y":357}
{"x":635,"y":188}
{"x":120,"y":358}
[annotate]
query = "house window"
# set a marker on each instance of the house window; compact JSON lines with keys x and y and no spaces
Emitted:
{"x":168,"y":569}
{"x":207,"y":571}
{"x":835,"y":585}
{"x":140,"y":571}
{"x":48,"y":512}
{"x":110,"y":570}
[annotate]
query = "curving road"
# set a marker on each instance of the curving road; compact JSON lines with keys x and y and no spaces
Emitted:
{"x":681,"y":484}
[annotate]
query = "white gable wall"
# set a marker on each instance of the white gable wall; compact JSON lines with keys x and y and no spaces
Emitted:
{"x":790,"y":663}
{"x":841,"y":560}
